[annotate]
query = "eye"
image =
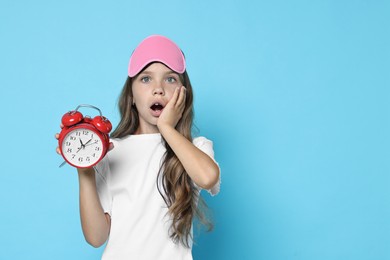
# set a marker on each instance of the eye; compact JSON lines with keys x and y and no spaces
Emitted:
{"x":171,"y":79}
{"x":145,"y":79}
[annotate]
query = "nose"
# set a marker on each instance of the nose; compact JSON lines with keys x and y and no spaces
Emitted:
{"x":158,"y":90}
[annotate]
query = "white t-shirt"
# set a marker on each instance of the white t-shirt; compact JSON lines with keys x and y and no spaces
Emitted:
{"x":127,"y":188}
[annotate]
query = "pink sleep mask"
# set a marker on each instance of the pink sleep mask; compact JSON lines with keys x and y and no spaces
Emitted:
{"x":156,"y":48}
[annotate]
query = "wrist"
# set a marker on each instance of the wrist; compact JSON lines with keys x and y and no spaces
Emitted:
{"x":164,"y":127}
{"x":86,"y":172}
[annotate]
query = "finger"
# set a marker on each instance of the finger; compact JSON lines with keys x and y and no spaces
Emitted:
{"x":61,"y":125}
{"x":58,"y":150}
{"x":111,"y":146}
{"x":182,"y":97}
{"x":57,"y":135}
{"x":174,"y":97}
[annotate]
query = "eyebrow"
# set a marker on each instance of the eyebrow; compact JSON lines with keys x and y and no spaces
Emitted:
{"x":165,"y":73}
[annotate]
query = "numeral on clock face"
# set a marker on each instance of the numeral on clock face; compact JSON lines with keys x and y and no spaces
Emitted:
{"x":82,"y":147}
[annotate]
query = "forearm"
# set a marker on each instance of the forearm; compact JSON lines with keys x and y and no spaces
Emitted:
{"x":199,"y":166}
{"x":95,"y":223}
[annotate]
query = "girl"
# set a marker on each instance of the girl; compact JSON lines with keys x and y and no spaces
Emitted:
{"x":144,"y":195}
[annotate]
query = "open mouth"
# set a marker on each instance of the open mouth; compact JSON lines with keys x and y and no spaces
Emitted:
{"x":157,"y":107}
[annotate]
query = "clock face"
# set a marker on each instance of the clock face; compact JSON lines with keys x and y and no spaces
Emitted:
{"x":82,"y":147}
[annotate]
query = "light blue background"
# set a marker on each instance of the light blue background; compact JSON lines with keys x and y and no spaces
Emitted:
{"x":294,"y":94}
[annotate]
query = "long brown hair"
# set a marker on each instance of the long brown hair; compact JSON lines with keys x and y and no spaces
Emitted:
{"x":180,"y":194}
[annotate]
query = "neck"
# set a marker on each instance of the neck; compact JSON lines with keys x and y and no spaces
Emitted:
{"x":146,"y":130}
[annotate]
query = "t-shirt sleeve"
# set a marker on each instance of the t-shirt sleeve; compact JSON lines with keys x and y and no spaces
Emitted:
{"x":206,"y":146}
{"x":102,"y":170}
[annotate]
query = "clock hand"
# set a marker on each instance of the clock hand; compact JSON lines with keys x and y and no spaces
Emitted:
{"x":82,"y":146}
{"x":91,"y":143}
{"x":88,"y":142}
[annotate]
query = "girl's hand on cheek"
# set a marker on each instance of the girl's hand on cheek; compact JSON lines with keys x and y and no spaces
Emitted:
{"x":173,"y":111}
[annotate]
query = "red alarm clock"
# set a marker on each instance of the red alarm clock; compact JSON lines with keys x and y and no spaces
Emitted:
{"x":84,"y":141}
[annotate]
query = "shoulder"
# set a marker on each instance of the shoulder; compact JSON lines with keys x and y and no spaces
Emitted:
{"x":117,"y":140}
{"x":201,"y":140}
{"x":204,"y":144}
